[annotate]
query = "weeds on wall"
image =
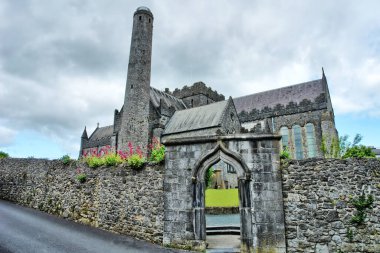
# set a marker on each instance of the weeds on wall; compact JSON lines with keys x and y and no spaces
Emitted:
{"x":285,"y":154}
{"x":350,"y":235}
{"x":134,"y":157}
{"x":330,"y":150}
{"x":112,"y":159}
{"x":65,"y":159}
{"x":135,"y":161}
{"x":94,"y":161}
{"x":157,"y":151}
{"x":81,"y":177}
{"x":362,"y":204}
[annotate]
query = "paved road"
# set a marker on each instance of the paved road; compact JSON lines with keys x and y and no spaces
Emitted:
{"x":25,"y":230}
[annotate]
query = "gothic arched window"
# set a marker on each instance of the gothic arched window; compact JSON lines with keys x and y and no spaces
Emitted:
{"x":284,"y":131}
{"x":297,"y":133}
{"x":310,"y":138}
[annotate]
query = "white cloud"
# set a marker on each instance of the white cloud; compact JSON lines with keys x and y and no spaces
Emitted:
{"x":7,"y":136}
{"x":63,"y":64}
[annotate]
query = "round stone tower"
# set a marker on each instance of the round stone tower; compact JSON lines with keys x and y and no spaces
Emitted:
{"x":135,"y":124}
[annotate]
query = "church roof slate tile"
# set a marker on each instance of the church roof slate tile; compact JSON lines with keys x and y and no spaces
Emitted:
{"x":171,"y":101}
{"x":196,"y":118}
{"x":295,"y":93}
{"x":102,"y":132}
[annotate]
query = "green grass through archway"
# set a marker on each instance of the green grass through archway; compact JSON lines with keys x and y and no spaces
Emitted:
{"x":222,"y":197}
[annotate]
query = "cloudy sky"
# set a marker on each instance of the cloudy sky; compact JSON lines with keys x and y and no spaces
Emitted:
{"x":63,"y":63}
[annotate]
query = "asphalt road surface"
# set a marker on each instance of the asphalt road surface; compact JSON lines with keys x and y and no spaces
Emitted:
{"x":25,"y":230}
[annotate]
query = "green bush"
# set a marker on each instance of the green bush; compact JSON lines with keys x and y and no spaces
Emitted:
{"x":3,"y":155}
{"x":359,"y":152}
{"x":285,"y":154}
{"x":66,"y":159}
{"x":94,"y":161}
{"x":112,"y":160}
{"x":82,"y":177}
{"x":135,"y":161}
{"x":158,"y":153}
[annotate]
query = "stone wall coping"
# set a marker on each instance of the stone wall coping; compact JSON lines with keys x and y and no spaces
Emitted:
{"x":214,"y":138}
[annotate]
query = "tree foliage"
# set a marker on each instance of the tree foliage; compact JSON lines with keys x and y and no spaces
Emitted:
{"x":359,"y":152}
{"x":343,"y":148}
{"x":208,"y":176}
{"x":3,"y":155}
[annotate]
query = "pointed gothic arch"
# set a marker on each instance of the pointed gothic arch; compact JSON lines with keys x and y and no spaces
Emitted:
{"x":221,"y":153}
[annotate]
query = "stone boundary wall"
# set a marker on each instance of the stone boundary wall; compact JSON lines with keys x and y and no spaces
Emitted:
{"x":117,"y":199}
{"x":318,"y":211}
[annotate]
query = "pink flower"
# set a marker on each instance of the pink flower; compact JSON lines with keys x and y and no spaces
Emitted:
{"x":139,"y":152}
{"x":130,"y":146}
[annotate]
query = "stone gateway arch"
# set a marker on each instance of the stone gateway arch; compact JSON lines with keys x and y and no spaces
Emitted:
{"x":256,"y":160}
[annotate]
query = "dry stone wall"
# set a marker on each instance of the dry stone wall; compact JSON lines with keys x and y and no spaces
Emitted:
{"x":118,"y":199}
{"x":318,"y":210}
{"x":317,"y":197}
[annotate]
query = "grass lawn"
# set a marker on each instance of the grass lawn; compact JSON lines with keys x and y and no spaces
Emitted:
{"x":222,"y":197}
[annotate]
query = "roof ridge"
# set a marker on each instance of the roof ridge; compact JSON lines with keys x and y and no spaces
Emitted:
{"x":225,"y":110}
{"x":289,"y":86}
{"x":105,"y":126}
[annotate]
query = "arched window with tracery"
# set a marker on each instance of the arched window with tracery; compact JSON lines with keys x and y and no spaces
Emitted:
{"x":284,"y":131}
{"x":297,"y":133}
{"x":310,"y":138}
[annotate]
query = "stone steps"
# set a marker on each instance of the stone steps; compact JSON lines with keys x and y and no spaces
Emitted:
{"x":223,"y":230}
{"x":223,"y":250}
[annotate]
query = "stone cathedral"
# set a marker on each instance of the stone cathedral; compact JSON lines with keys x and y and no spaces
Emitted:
{"x":302,"y":113}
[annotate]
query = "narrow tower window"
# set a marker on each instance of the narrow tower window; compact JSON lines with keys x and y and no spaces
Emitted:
{"x":139,"y":17}
{"x":149,"y":20}
{"x":297,"y":132}
{"x":310,"y":138}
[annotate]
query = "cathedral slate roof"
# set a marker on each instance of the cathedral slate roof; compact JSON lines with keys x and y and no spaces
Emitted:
{"x":287,"y":100}
{"x":102,"y":132}
{"x":169,"y":100}
{"x":100,"y":137}
{"x":196,"y":118}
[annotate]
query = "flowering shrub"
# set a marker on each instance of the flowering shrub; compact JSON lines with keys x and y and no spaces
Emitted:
{"x":112,"y":159}
{"x":94,"y":161}
{"x":104,"y":156}
{"x":135,"y":161}
{"x":157,"y":151}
